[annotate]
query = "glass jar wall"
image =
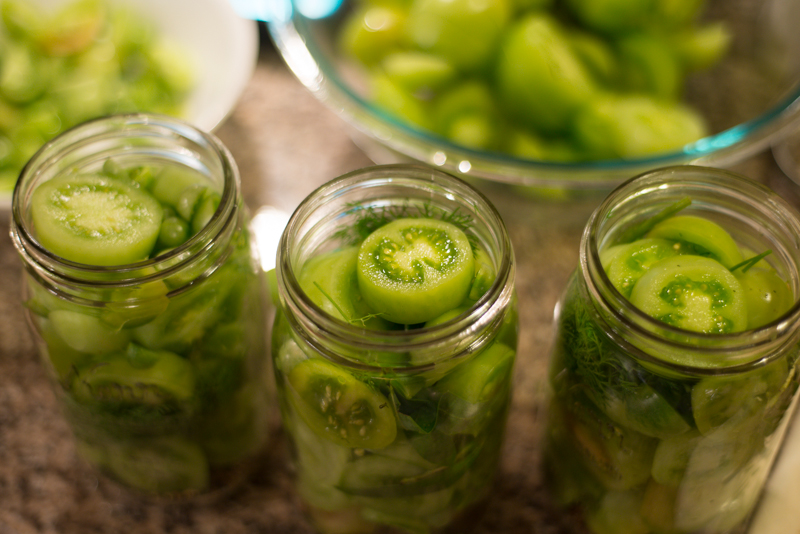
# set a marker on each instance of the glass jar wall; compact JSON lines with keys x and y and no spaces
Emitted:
{"x":393,"y":349}
{"x":145,"y":297}
{"x":674,"y":368}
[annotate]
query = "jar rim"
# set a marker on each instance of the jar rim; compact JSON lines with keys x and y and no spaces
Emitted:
{"x":490,"y":308}
{"x":727,"y":346}
{"x":137,"y":272}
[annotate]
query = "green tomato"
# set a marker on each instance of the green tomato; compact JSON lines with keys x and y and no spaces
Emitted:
{"x":87,"y":334}
{"x":625,"y":264}
{"x":418,"y":71}
{"x":481,"y":377}
{"x":633,"y":126}
{"x":339,"y":407}
{"x":693,"y":293}
{"x":620,"y":458}
{"x":330,"y":281}
{"x":698,"y":235}
{"x":398,"y":100}
{"x":412,"y":270}
{"x":464,"y":32}
{"x":768,"y":295}
{"x":716,"y":400}
{"x":612,"y":16}
{"x":649,"y":64}
{"x":163,"y":465}
{"x":372,"y":32}
{"x":539,"y":77}
{"x":95,"y":220}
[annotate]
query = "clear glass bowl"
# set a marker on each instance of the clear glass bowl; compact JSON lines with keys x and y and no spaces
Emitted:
{"x":750,"y":100}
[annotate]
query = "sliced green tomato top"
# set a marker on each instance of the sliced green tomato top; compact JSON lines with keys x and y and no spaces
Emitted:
{"x":702,"y":237}
{"x":339,"y":407}
{"x":693,"y":293}
{"x":625,"y":264}
{"x":95,"y":220}
{"x":413,"y":270}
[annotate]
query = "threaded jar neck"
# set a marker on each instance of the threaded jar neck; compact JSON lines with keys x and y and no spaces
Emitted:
{"x":757,"y":218}
{"x":135,"y":139}
{"x":316,"y":227}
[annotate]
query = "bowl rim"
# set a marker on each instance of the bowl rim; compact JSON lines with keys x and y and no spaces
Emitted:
{"x":290,"y":32}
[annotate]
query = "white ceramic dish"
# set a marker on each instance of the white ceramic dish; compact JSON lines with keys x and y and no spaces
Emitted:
{"x":222,"y":45}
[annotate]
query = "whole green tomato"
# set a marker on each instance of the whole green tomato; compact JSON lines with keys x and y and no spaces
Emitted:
{"x":464,"y":32}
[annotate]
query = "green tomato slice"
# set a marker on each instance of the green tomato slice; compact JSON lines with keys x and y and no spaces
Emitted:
{"x":619,"y":457}
{"x":413,"y":270}
{"x":716,"y":400}
{"x":768,"y":296}
{"x":701,"y":237}
{"x":625,"y":264}
{"x":330,"y":281}
{"x":95,"y":220}
{"x":693,"y":293}
{"x":341,"y":408}
{"x":163,"y":465}
{"x":479,"y":379}
{"x":138,"y":376}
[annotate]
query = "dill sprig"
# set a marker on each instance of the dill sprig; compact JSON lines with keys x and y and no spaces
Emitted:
{"x":746,"y":265}
{"x":367,"y":219}
{"x":638,"y":230}
{"x":590,"y":355}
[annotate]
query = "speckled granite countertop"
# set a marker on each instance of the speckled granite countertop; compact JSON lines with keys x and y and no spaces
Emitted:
{"x":286,"y":144}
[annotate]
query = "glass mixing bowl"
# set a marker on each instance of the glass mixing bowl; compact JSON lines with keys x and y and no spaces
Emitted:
{"x":750,"y":99}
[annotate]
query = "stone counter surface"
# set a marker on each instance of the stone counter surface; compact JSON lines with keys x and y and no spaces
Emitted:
{"x":286,"y":144}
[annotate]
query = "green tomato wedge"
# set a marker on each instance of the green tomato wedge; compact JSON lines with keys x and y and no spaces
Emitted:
{"x":625,"y":264}
{"x":717,"y":400}
{"x":478,"y":379}
{"x":672,"y":457}
{"x":168,"y":464}
{"x":619,"y":457}
{"x":700,"y":236}
{"x":642,"y":409}
{"x":341,"y":408}
{"x":95,"y":220}
{"x":413,"y":270}
{"x":693,"y":293}
{"x":768,"y":295}
{"x":330,"y":281}
{"x":138,"y":376}
{"x":87,"y":334}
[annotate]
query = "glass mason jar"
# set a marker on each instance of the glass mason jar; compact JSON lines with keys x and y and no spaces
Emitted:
{"x":655,"y":427}
{"x":158,"y":363}
{"x":394,"y":425}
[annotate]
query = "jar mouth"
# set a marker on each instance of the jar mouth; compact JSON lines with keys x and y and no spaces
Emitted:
{"x":724,"y":352}
{"x":361,"y":347}
{"x":92,"y":141}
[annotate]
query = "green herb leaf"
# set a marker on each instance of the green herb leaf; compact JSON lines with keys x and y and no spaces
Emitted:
{"x":635,"y":232}
{"x":746,"y":265}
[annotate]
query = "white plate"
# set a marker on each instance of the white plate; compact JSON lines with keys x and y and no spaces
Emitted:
{"x":222,"y":45}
